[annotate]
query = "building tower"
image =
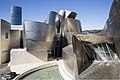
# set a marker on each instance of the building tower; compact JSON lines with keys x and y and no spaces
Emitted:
{"x":16,"y":15}
{"x":16,"y":27}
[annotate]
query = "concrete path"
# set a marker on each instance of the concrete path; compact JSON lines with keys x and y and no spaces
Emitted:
{"x":4,"y":69}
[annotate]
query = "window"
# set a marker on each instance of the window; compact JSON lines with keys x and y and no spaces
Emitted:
{"x":6,"y":35}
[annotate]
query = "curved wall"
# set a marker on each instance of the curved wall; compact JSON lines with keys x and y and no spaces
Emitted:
{"x":39,"y":38}
{"x":112,"y":27}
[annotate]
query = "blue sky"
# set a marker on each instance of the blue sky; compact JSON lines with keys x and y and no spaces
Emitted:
{"x":91,"y":13}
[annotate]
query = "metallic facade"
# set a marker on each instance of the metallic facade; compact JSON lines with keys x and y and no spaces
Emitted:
{"x":39,"y":38}
{"x":92,"y":47}
{"x":16,"y":15}
{"x":69,"y":58}
{"x":65,"y":29}
{"x":52,"y":18}
{"x":4,"y":40}
{"x":69,"y":27}
{"x":112,"y":26}
{"x":67,"y":14}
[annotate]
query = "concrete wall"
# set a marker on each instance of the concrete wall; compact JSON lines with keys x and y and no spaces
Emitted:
{"x":15,"y":39}
{"x":4,"y":40}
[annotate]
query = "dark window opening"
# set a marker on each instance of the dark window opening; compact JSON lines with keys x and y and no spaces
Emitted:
{"x":6,"y":35}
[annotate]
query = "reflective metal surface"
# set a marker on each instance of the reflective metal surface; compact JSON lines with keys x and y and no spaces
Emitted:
{"x":67,"y":14}
{"x":112,"y":26}
{"x":69,"y":58}
{"x":39,"y":38}
{"x":62,"y":13}
{"x":53,"y":18}
{"x":72,"y":15}
{"x":4,"y":40}
{"x":81,"y":56}
{"x":69,"y":27}
{"x":16,"y":15}
{"x":69,"y":35}
{"x":90,"y":47}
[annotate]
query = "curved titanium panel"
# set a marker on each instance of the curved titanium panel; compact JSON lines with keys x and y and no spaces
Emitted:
{"x":67,"y":14}
{"x":69,"y":27}
{"x":39,"y":38}
{"x":69,"y":58}
{"x":72,"y":15}
{"x":112,"y":26}
{"x":62,"y":13}
{"x":53,"y":18}
{"x":16,"y":15}
{"x":81,"y":55}
{"x":90,"y":47}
